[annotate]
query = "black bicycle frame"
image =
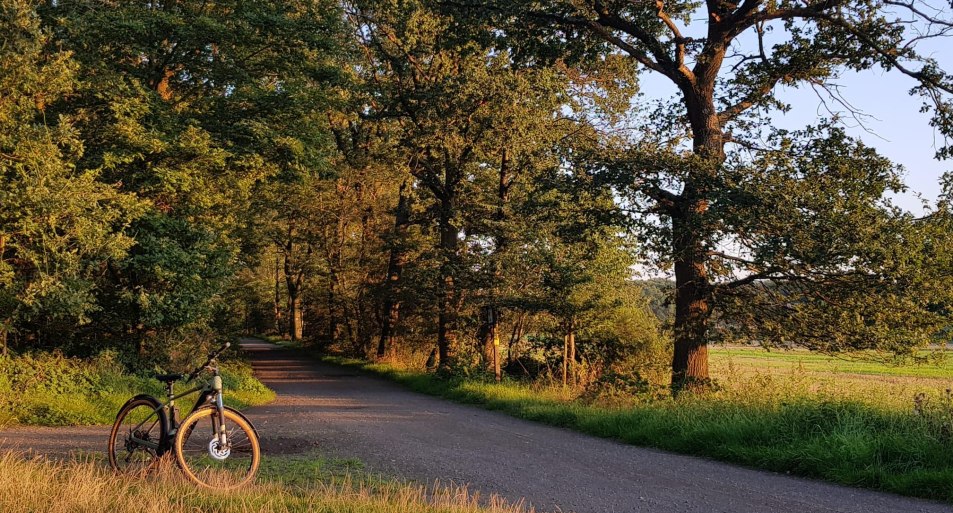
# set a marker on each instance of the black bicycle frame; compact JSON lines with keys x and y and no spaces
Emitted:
{"x":213,"y":387}
{"x":206,"y":391}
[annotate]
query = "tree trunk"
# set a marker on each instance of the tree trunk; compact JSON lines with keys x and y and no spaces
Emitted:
{"x":491,"y":346}
{"x":447,"y":304}
{"x":278,"y":330}
{"x":337,"y":289}
{"x":489,"y":340}
{"x":565,"y":358}
{"x":293,"y":284}
{"x":571,"y":339}
{"x":692,"y":302}
{"x":6,"y":323}
{"x":485,"y":338}
{"x":333,"y":325}
{"x":388,"y":329}
{"x":296,"y":316}
{"x":691,"y":231}
{"x":496,"y":352}
{"x":515,"y":337}
{"x":395,"y":266}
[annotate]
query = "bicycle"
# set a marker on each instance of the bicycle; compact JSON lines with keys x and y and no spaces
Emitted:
{"x":215,"y":445}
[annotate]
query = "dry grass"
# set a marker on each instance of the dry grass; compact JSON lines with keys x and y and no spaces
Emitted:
{"x":33,"y":486}
{"x":755,"y":375}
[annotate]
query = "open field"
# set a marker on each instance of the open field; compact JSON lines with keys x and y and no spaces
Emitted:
{"x":853,"y":423}
{"x":930,"y":364}
{"x":286,"y":485}
{"x":798,"y":373}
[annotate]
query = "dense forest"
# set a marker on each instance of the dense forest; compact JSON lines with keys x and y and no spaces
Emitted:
{"x":454,"y":179}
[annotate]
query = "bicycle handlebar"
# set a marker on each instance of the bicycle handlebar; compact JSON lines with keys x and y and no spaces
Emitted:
{"x":211,"y":356}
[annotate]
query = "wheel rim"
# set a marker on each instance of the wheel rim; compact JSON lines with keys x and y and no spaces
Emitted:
{"x":206,"y":461}
{"x":140,"y":423}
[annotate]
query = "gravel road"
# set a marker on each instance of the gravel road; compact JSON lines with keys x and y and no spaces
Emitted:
{"x":397,"y":432}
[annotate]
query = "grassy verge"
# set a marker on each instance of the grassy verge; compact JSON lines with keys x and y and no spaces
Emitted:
{"x":52,"y":390}
{"x":782,"y":421}
{"x":301,"y":484}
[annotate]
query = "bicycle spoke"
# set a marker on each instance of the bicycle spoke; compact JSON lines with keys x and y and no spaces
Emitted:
{"x":137,"y":431}
{"x":209,"y":462}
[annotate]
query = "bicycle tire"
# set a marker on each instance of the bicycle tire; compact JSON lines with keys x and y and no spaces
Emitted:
{"x":129,"y":456}
{"x":240,"y":414}
{"x":212,"y":466}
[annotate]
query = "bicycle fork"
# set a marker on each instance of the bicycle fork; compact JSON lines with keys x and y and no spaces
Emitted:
{"x":220,"y":407}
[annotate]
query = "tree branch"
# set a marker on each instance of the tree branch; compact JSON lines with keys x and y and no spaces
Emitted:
{"x":750,"y":100}
{"x":889,"y":56}
{"x":677,"y":38}
{"x":911,"y":6}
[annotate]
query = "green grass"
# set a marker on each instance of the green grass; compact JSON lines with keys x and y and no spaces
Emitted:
{"x":786,"y":417}
{"x":931,"y":365}
{"x":305,"y":483}
{"x":52,"y":390}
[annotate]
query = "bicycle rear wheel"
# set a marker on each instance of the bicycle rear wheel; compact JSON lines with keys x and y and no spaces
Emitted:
{"x":207,"y":462}
{"x":138,"y":436}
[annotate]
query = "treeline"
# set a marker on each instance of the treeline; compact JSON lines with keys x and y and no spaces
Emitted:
{"x":452,"y":180}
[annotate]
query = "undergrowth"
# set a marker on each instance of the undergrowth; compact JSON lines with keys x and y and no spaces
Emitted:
{"x":49,"y":389}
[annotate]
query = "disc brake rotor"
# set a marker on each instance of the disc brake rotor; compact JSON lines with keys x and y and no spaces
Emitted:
{"x":218,"y":451}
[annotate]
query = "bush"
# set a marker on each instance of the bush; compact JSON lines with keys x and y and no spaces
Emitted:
{"x":525,"y":367}
{"x":621,"y":387}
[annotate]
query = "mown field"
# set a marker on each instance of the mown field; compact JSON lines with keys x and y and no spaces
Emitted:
{"x":855,"y":422}
{"x":307,"y":483}
{"x":882,"y":383}
{"x":48,"y":389}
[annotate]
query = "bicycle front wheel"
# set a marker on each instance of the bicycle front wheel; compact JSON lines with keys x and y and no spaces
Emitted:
{"x":208,"y":462}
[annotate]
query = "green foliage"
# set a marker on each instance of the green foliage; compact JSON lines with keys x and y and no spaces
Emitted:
{"x":841,"y":268}
{"x":347,"y":171}
{"x":130,"y":142}
{"x":58,"y":224}
{"x":825,"y":261}
{"x":50,"y":389}
{"x":176,"y":272}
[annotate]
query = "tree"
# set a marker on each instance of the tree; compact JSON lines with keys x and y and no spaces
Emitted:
{"x":58,"y":224}
{"x":681,"y":173}
{"x":190,"y":104}
{"x":464,"y":113}
{"x":572,"y":237}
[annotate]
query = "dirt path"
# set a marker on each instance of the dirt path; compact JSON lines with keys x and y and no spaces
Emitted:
{"x":398,"y":432}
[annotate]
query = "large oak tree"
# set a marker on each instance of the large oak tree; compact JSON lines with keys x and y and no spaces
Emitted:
{"x":700,"y":160}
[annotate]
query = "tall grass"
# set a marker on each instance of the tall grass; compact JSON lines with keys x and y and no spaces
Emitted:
{"x":860,"y":433}
{"x":50,"y":389}
{"x":75,"y":487}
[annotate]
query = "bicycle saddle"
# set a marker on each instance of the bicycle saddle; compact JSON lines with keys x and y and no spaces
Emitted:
{"x":169,"y":378}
